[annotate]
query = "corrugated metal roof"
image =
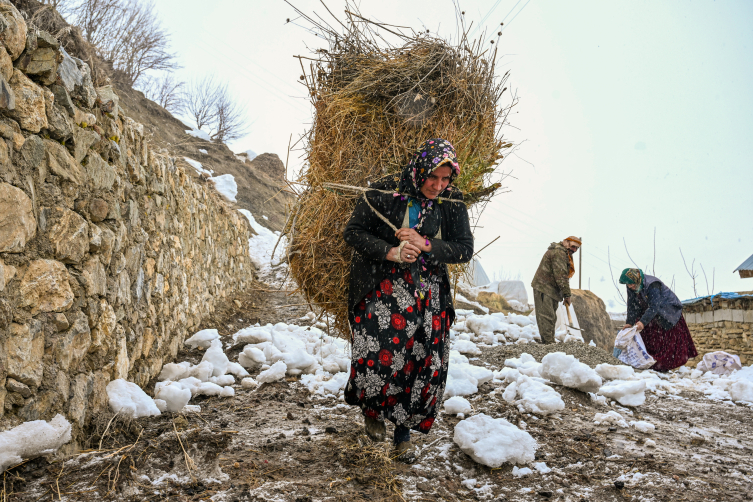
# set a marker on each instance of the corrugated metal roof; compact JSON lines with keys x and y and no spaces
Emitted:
{"x":747,"y":265}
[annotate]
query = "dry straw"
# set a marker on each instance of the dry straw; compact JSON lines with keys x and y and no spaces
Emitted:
{"x":378,"y":93}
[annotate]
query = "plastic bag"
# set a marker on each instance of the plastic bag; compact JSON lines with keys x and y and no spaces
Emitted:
{"x":632,"y":349}
{"x":720,"y":363}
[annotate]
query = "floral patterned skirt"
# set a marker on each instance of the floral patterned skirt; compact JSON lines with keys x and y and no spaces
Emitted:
{"x":401,"y":350}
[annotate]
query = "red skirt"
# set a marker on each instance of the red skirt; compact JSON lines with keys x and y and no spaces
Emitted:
{"x":670,"y":347}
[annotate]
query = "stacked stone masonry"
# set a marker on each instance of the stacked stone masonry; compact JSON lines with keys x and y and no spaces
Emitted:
{"x":109,"y":254}
{"x":724,"y":325}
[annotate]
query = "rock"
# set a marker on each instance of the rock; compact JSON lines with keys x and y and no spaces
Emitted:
{"x":94,"y":277}
{"x":84,"y":91}
{"x":108,"y":100}
{"x":45,"y":288}
{"x":68,"y":233}
{"x":25,"y":348}
{"x":102,"y":242}
{"x":2,"y":275}
{"x":41,"y":63}
{"x":13,"y":385}
{"x":46,"y":40}
{"x":82,"y":118}
{"x":60,"y":321}
{"x":593,"y":319}
{"x":101,"y":174}
{"x":269,"y":164}
{"x":12,"y":29}
{"x":29,"y":109}
{"x":98,"y":209}
{"x":9,"y":129}
{"x":17,"y":222}
{"x":70,"y":75}
{"x":6,"y":64}
{"x":6,"y":316}
{"x":32,"y":153}
{"x":60,"y":162}
{"x":83,"y":139}
{"x":7,"y":96}
{"x":63,"y":99}
{"x":72,"y":346}
{"x":60,"y":125}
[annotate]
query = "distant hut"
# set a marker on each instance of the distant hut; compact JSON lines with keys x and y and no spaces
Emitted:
{"x":746,"y":269}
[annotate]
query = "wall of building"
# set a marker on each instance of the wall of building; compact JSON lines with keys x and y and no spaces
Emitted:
{"x":724,"y":325}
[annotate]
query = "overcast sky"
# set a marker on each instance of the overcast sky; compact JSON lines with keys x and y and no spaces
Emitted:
{"x":632,"y":116}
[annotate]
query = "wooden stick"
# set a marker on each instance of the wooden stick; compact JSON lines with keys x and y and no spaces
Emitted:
{"x":106,"y":429}
{"x":492,"y":242}
{"x":186,"y":457}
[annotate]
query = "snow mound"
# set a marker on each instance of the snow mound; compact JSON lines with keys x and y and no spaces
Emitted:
{"x":174,"y":395}
{"x":615,"y":372}
{"x":519,"y":472}
{"x":226,"y":186}
{"x":319,"y":384}
{"x":31,"y":439}
{"x":128,"y":399}
{"x":627,"y":393}
{"x":494,"y":441}
{"x":197,"y":165}
{"x":741,"y":390}
{"x":253,"y":334}
{"x":642,"y":426}
{"x":534,"y":396}
{"x":610,"y":418}
{"x":202,"y":339}
{"x":566,"y":370}
{"x":457,"y":404}
{"x":217,"y":358}
{"x":466,"y":347}
{"x":198,"y":133}
{"x":273,"y":373}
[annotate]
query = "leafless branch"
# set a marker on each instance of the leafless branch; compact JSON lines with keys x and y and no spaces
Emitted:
{"x":691,"y":272}
{"x":611,"y":275}
{"x":211,"y":107}
{"x":628,"y":253}
{"x":165,"y":91}
{"x":128,"y":33}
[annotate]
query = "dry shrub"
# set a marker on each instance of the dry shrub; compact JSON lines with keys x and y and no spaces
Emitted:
{"x":374,"y":103}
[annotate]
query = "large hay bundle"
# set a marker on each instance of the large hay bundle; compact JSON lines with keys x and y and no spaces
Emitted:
{"x":374,"y":104}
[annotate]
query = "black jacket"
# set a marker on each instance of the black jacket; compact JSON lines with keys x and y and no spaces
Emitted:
{"x":661,"y":303}
{"x":372,"y":238}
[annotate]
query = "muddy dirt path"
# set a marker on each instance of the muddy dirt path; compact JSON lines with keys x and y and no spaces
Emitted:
{"x":278,"y":442}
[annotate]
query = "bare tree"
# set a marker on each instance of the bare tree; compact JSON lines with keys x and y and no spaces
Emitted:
{"x":165,"y":91}
{"x":611,"y":275}
{"x":210,"y":105}
{"x":691,"y":272}
{"x":713,"y":278}
{"x":231,"y":118}
{"x":127,"y":33}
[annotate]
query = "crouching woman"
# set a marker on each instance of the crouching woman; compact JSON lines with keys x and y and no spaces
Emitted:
{"x":657,"y":313}
{"x":404,"y":232}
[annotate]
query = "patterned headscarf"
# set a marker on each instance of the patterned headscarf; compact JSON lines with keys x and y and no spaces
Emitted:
{"x":432,"y":154}
{"x":633,"y":276}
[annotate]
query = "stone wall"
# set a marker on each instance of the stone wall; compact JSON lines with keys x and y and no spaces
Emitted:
{"x":724,"y":325}
{"x":109,"y":254}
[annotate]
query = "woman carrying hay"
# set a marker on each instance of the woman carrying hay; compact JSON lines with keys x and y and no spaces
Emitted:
{"x":399,"y":302}
{"x":657,"y":313}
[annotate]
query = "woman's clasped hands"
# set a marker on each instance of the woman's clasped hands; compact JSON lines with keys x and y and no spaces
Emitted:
{"x":412,"y":244}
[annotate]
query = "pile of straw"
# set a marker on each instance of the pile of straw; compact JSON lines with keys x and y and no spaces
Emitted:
{"x":377,"y":94}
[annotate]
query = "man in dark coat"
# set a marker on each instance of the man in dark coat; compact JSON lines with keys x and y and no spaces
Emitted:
{"x":551,"y":284}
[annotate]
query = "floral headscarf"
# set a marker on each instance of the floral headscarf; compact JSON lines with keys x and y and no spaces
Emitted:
{"x":633,"y":276}
{"x":430,"y":155}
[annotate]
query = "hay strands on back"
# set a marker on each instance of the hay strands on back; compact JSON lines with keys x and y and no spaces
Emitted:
{"x":378,"y":91}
